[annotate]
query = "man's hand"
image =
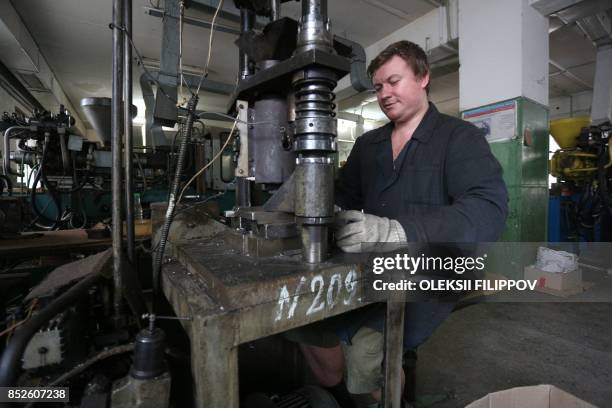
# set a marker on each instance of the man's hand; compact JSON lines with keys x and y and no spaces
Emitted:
{"x":354,"y":228}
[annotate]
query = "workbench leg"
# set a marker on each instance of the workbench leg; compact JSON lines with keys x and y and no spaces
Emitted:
{"x":394,"y":341}
{"x":214,"y":362}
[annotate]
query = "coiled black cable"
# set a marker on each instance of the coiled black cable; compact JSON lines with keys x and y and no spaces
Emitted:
{"x":191,"y":105}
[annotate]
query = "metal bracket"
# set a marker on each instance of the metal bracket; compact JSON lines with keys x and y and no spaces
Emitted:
{"x":242,"y":169}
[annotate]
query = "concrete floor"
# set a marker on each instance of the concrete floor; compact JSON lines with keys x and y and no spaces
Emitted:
{"x":494,"y":346}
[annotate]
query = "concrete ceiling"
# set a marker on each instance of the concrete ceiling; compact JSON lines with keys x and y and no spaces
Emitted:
{"x":74,"y":37}
{"x":572,"y":70}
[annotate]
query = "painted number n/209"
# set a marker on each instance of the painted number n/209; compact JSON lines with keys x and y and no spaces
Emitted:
{"x":327,"y":294}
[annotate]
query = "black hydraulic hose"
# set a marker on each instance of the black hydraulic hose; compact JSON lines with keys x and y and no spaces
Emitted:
{"x":38,"y":213}
{"x":8,"y":183}
{"x":76,"y":186}
{"x":46,"y":184}
{"x":9,"y":364}
{"x":193,"y":102}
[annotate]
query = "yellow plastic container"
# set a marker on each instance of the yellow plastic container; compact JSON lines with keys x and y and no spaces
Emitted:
{"x":565,"y":131}
{"x":142,"y":229}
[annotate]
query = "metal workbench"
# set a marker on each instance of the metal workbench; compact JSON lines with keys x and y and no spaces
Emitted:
{"x":232,"y":299}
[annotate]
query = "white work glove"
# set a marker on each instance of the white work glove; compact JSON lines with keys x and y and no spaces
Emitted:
{"x":354,"y":228}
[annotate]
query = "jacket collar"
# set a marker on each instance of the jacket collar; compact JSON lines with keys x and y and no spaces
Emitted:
{"x":422,"y":133}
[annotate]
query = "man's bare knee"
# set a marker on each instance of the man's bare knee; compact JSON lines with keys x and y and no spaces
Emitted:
{"x":327,"y":364}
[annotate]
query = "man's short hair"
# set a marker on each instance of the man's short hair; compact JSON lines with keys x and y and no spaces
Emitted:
{"x":410,"y":52}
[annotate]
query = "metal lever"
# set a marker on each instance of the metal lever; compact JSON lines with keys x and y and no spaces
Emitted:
{"x":153,"y":316}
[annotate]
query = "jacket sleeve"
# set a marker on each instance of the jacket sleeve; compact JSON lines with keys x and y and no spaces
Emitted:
{"x":348,"y":194}
{"x":478,"y":197}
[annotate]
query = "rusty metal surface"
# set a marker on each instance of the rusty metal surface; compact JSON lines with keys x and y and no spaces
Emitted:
{"x":70,"y":272}
{"x":231,"y":299}
{"x":262,"y":216}
{"x":279,"y":76}
{"x":30,"y":244}
{"x":238,"y":281}
{"x":394,"y":340}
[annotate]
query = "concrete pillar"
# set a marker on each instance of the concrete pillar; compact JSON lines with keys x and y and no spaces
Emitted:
{"x":503,"y":88}
{"x":503,"y":52}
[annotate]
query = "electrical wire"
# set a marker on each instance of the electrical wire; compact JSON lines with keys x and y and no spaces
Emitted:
{"x":9,"y":330}
{"x":225,"y":115}
{"x":199,"y":172}
{"x":144,"y":177}
{"x":210,"y":42}
{"x":181,"y":25}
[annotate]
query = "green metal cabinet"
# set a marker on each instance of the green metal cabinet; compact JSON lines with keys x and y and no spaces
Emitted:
{"x":524,"y":159}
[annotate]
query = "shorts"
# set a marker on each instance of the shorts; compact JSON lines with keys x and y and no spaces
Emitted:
{"x":363,"y":354}
{"x":363,"y":361}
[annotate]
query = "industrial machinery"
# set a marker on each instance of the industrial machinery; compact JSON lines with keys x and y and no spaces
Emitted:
{"x":272,"y":269}
{"x":583,"y":167}
{"x":58,"y":179}
{"x":63,"y":177}
{"x":223,"y":287}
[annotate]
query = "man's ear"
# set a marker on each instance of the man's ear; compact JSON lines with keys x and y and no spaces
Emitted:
{"x":424,"y":81}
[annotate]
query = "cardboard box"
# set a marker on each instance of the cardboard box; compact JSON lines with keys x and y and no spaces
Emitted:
{"x":538,"y":396}
{"x":554,"y":280}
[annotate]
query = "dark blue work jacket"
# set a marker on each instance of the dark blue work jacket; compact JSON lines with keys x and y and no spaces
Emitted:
{"x":445,"y":186}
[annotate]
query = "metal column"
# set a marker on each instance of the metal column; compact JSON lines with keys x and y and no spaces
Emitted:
{"x":315,"y":135}
{"x":127,"y":128}
{"x":116,"y":157}
{"x":247,"y":22}
{"x":274,"y":10}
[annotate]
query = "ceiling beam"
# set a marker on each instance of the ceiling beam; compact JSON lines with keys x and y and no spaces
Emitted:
{"x":548,"y":7}
{"x":583,"y":9}
{"x":435,"y":3}
{"x":18,"y":37}
{"x":194,"y":21}
{"x":389,"y":9}
{"x":564,"y":71}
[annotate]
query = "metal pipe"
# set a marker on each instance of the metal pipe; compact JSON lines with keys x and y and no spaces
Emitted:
{"x":315,"y":7}
{"x":6,"y":159}
{"x":11,"y":357}
{"x":116,"y":157}
{"x":274,"y":10}
{"x":127,"y":128}
{"x":247,"y":21}
{"x":360,"y":80}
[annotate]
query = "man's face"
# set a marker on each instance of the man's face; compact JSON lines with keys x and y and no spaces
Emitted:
{"x":400,"y":94}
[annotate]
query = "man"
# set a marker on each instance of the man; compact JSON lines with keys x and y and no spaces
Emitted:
{"x":423,"y":177}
